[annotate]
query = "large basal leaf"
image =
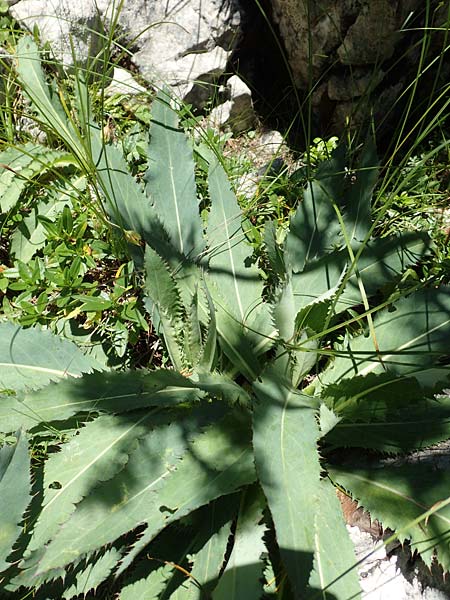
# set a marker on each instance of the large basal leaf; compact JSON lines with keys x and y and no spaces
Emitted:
{"x":163,"y":303}
{"x":209,"y":560}
{"x":195,"y":548}
{"x":31,"y":358}
{"x":94,"y":573}
{"x":19,"y":165}
{"x":314,"y":230}
{"x":124,"y":199}
{"x":382,"y":261}
{"x":335,"y":571}
{"x":359,"y":192}
{"x":96,"y":454}
{"x":287,"y":462}
{"x":399,"y":495}
{"x":171,"y":180}
{"x":99,"y":392}
{"x":243,"y":574}
{"x":421,"y":424}
{"x":371,"y":397}
{"x":222,"y":387}
{"x":229,"y":254}
{"x":45,"y":103}
{"x":150,"y":587}
{"x":15,"y":488}
{"x":410,"y":338}
{"x":300,"y":361}
{"x":172,"y":473}
{"x":235,"y":343}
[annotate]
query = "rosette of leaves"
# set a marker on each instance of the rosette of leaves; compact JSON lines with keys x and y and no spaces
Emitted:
{"x":216,"y":478}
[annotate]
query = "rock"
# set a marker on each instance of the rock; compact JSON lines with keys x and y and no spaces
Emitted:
{"x":123,"y":83}
{"x":269,"y":154}
{"x":371,"y":39}
{"x":220,"y":115}
{"x":342,"y":51}
{"x":184,"y":44}
{"x":236,"y":113}
{"x":392,"y":576}
{"x":353,"y":85}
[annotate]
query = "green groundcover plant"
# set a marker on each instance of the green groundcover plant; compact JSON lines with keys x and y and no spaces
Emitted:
{"x":216,"y":477}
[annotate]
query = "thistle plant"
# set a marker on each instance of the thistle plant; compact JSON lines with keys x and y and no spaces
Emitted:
{"x":216,"y":477}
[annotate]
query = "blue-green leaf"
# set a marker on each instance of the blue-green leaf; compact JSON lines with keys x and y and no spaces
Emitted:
{"x":314,"y":230}
{"x":287,"y":462}
{"x":31,"y":358}
{"x":167,"y":477}
{"x":410,"y":338}
{"x":171,"y":181}
{"x":243,"y":575}
{"x":100,"y":392}
{"x":335,"y":574}
{"x":229,"y":253}
{"x":15,"y":488}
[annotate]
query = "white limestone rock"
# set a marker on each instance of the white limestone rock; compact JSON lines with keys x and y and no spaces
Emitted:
{"x":237,"y":112}
{"x":184,"y":43}
{"x":123,"y":82}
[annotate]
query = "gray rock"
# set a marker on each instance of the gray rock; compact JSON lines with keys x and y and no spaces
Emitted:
{"x":340,"y":51}
{"x":237,"y":112}
{"x":123,"y":82}
{"x":184,"y":43}
{"x":389,"y":577}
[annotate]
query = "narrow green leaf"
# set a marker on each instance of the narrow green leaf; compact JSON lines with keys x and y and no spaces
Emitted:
{"x":30,"y":236}
{"x":288,"y":467}
{"x":171,"y":181}
{"x":15,"y":488}
{"x":99,"y":392}
{"x":335,"y":574}
{"x":209,"y":560}
{"x":243,"y":576}
{"x":47,"y":105}
{"x":93,"y":303}
{"x":229,"y":252}
{"x":156,"y":487}
{"x":314,"y":230}
{"x":31,"y":358}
